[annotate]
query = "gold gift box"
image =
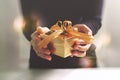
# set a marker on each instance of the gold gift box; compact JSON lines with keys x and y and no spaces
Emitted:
{"x":62,"y":36}
{"x":63,"y":47}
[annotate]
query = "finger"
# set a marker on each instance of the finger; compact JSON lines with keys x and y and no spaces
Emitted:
{"x":44,"y":51}
{"x":78,"y":53}
{"x":35,"y":41}
{"x":79,"y":47}
{"x":40,"y":50}
{"x":42,"y":29}
{"x":79,"y":41}
{"x":82,"y":47}
{"x":37,"y":32}
{"x":45,"y":29}
{"x":44,"y":56}
{"x":36,"y":37}
{"x":33,"y":34}
{"x":34,"y":45}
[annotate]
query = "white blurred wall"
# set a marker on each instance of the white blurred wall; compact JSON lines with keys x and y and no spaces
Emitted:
{"x":9,"y":48}
{"x":13,"y":48}
{"x":109,"y":55}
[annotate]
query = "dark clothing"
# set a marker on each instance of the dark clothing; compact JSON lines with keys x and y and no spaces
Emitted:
{"x":49,"y":12}
{"x":58,"y":62}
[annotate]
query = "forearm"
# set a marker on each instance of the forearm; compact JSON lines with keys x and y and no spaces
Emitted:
{"x":93,"y":24}
{"x":93,"y":15}
{"x":30,"y":27}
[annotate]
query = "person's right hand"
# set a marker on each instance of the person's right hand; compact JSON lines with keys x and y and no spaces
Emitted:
{"x":36,"y":38}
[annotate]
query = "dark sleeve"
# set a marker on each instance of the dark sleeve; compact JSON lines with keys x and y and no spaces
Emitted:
{"x":30,"y":20}
{"x":29,"y":27}
{"x":92,"y":15}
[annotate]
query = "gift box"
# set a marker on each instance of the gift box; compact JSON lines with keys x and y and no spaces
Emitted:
{"x":62,"y":36}
{"x":62,"y":47}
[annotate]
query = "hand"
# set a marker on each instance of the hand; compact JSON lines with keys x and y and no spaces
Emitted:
{"x":36,"y":38}
{"x":79,"y":46}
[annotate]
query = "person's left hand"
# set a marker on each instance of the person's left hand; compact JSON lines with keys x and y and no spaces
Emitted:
{"x":79,"y":46}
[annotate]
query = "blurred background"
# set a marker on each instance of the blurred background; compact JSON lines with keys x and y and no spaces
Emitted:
{"x":14,"y":48}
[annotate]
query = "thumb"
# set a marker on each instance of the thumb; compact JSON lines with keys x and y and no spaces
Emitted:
{"x":39,"y":30}
{"x":42,"y":29}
